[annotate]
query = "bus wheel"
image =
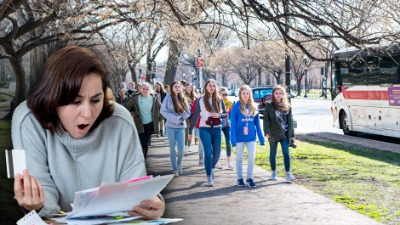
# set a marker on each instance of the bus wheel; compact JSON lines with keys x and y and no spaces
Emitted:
{"x":344,"y":124}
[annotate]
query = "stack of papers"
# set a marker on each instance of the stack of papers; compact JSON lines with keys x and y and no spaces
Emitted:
{"x":116,"y":197}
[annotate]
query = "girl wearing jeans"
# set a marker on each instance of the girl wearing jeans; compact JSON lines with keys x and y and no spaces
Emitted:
{"x":175,"y":110}
{"x":278,"y":127}
{"x":245,"y":126}
{"x":211,"y":109}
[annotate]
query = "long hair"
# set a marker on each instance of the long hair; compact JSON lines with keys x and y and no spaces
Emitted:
{"x":192,"y":95}
{"x":283,"y":104}
{"x":252,"y":105}
{"x":216,"y":99}
{"x":161,"y":91}
{"x":61,"y":81}
{"x":178,"y":100}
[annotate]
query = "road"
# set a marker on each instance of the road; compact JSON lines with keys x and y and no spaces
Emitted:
{"x":313,"y":115}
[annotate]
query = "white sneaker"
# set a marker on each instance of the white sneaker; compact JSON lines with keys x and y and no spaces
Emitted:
{"x":289,"y":177}
{"x":210,"y":181}
{"x":218,"y":165}
{"x":231,"y":166}
{"x":176,"y":173}
{"x":274,"y":176}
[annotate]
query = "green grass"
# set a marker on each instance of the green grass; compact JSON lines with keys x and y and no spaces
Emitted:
{"x":365,"y":180}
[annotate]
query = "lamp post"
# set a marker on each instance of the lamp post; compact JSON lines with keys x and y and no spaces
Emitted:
{"x":305,"y":61}
{"x":199,"y":65}
{"x":153,"y":74}
{"x":247,"y":75}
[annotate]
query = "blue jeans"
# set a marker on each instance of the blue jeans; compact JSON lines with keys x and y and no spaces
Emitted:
{"x":211,"y":140}
{"x":251,"y":156}
{"x":176,"y":137}
{"x":227,"y":134}
{"x":273,"y":146}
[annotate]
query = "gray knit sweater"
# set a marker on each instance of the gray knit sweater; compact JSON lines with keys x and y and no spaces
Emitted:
{"x":64,"y":165}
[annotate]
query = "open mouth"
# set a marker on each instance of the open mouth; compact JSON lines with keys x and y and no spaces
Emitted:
{"x":82,"y":126}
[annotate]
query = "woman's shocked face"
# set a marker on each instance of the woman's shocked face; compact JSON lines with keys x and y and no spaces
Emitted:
{"x":79,"y":116}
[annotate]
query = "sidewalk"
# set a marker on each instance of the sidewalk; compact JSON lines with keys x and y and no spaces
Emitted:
{"x":270,"y":203}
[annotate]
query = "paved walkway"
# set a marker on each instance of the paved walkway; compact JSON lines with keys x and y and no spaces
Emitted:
{"x":271,"y":203}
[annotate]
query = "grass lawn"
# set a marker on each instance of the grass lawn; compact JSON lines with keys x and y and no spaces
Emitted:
{"x":365,"y":180}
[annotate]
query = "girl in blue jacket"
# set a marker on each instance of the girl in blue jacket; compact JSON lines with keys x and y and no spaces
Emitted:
{"x":245,"y":126}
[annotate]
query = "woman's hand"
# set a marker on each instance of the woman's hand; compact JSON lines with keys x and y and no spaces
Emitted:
{"x":267,"y":135}
{"x":149,"y":209}
{"x":215,"y":115}
{"x":189,"y":137}
{"x":29,"y":192}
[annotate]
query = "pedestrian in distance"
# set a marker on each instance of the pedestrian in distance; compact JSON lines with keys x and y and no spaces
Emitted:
{"x":161,"y":94}
{"x":74,"y":136}
{"x":226,"y":129}
{"x":278,"y":128}
{"x":211,"y":109}
{"x":145,"y":109}
{"x":176,"y":110}
{"x":191,"y":96}
{"x":245,"y":127}
{"x":196,"y":132}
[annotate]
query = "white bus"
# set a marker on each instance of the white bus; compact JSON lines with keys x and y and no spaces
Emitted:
{"x":366,"y":90}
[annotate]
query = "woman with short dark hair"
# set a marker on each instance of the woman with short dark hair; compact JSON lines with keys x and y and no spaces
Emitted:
{"x":68,"y":121}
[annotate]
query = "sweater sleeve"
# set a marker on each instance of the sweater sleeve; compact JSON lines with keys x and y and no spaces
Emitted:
{"x":267,"y":119}
{"x":234,"y":116}
{"x":29,"y":135}
{"x":168,"y":115}
{"x":258,"y":128}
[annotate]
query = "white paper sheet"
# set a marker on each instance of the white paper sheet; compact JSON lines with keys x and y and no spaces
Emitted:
{"x":116,"y":197}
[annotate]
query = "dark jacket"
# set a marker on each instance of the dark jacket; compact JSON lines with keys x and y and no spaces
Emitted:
{"x":273,"y":127}
{"x":133,"y":106}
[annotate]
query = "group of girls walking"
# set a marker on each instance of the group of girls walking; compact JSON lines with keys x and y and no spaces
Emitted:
{"x":213,"y":114}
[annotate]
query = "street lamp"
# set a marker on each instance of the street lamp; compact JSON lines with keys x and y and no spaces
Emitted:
{"x":305,"y":61}
{"x":247,"y":75}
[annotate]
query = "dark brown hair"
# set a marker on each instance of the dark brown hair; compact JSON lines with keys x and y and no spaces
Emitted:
{"x":60,"y":83}
{"x":179,"y":106}
{"x":216,"y":100}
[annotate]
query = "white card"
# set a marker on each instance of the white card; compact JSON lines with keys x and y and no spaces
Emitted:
{"x":16,"y":162}
{"x":31,"y":218}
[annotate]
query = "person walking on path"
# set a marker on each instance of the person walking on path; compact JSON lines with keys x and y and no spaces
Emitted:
{"x":145,"y":109}
{"x":226,"y":129}
{"x":176,"y":110}
{"x":191,"y":96}
{"x":278,"y":128}
{"x":211,"y":109}
{"x":161,"y":94}
{"x":196,"y":130}
{"x":245,"y":127}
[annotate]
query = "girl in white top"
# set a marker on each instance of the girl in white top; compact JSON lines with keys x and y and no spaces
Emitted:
{"x":211,"y":109}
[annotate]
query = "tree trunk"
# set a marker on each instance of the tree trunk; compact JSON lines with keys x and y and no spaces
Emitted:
{"x":259,"y":83}
{"x":172,"y":63}
{"x":38,"y":56}
{"x":20,"y":91}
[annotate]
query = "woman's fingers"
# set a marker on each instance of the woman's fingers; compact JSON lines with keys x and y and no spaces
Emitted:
{"x":149,"y":209}
{"x":28,"y":191}
{"x":18,"y":188}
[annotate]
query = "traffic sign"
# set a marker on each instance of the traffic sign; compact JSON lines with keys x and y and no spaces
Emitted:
{"x":199,"y":63}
